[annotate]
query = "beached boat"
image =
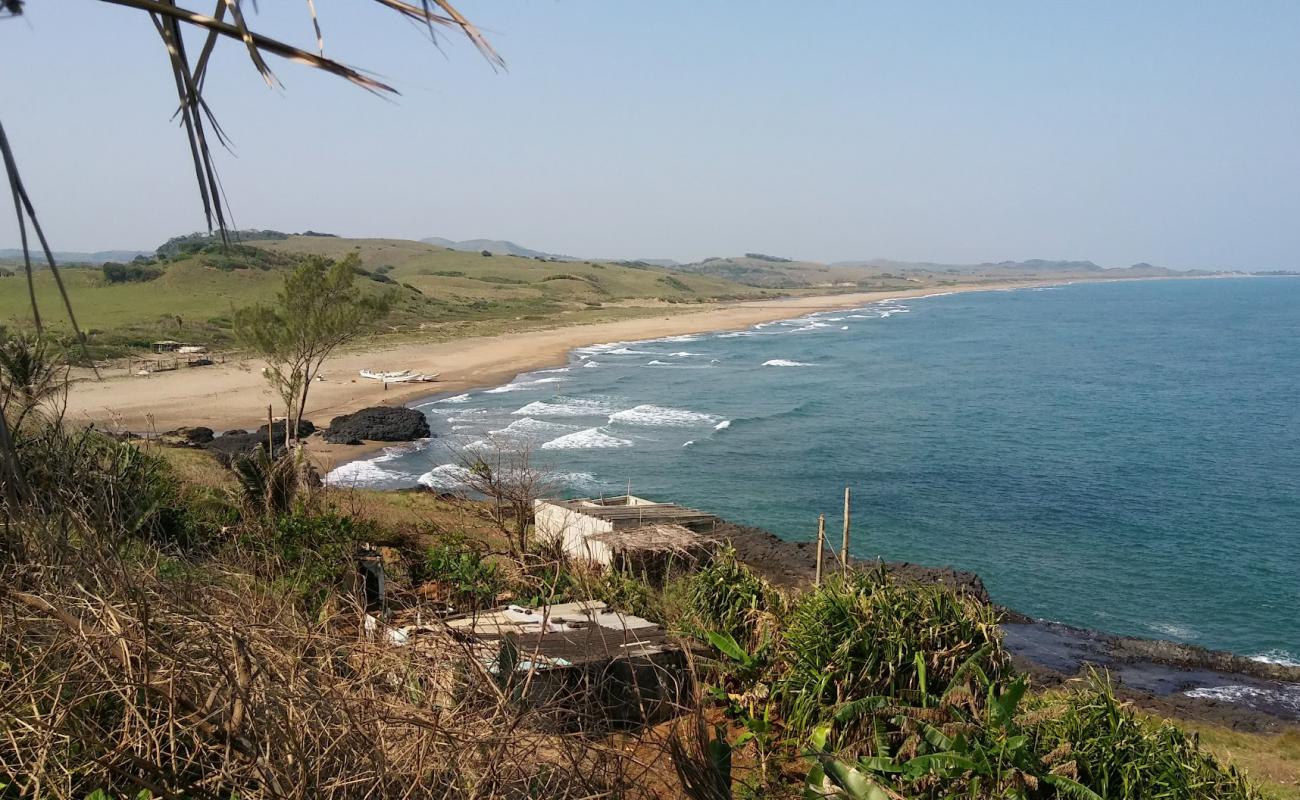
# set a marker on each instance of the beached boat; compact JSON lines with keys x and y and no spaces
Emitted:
{"x":403,"y":376}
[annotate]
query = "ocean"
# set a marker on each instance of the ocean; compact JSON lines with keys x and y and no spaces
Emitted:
{"x":1121,"y":456}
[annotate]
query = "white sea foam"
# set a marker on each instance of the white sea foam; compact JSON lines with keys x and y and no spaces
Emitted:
{"x":451,"y":477}
{"x":658,"y":363}
{"x":844,"y":327}
{"x":529,"y":428}
{"x":627,"y":351}
{"x":1254,"y":696}
{"x":460,"y":398}
{"x":689,"y":337}
{"x":1175,"y":630}
{"x":722,"y":426}
{"x":684,"y":354}
{"x":589,"y":439}
{"x":1279,"y":657}
{"x":557,"y":369}
{"x":591,"y":364}
{"x":366,"y":473}
{"x":660,"y":415}
{"x":688,"y":443}
{"x":509,"y":387}
{"x":782,"y":362}
{"x":563,"y":408}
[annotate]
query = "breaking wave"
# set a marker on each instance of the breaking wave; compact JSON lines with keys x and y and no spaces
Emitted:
{"x":563,"y":408}
{"x":589,"y":439}
{"x":660,"y":415}
{"x":782,"y":362}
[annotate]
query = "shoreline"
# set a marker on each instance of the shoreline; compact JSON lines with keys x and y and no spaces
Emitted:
{"x":233,"y":395}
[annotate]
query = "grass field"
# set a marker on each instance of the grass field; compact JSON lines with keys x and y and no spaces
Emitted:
{"x":441,"y":293}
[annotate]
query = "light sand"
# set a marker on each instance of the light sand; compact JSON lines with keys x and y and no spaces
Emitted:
{"x":234,"y":394}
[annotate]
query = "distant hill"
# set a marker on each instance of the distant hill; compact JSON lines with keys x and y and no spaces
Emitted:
{"x":73,"y":257}
{"x":1033,"y":266}
{"x":755,"y":269}
{"x":764,"y":272}
{"x":498,"y":247}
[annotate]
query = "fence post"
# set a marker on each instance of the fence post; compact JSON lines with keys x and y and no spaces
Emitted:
{"x":821,"y":547}
{"x":844,"y":548}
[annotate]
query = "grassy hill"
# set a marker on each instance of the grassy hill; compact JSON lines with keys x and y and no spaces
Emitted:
{"x":755,"y":269}
{"x":774,"y":273}
{"x":441,"y":293}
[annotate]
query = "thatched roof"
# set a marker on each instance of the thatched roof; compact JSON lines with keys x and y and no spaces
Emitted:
{"x":657,"y":538}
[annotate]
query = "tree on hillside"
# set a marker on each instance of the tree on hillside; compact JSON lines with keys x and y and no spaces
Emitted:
{"x":504,"y":471}
{"x":317,"y":310}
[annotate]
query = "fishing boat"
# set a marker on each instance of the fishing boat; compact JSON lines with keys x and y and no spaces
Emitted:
{"x":402,"y":376}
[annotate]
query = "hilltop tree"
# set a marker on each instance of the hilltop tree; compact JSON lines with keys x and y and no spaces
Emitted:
{"x":317,"y":311}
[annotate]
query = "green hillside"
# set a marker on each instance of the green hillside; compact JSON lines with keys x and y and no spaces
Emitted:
{"x":441,"y":293}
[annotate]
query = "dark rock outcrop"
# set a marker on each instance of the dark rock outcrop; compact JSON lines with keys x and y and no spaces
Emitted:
{"x":232,"y":446}
{"x":196,"y":436}
{"x":378,"y":424}
{"x":305,"y":429}
{"x":794,"y":564}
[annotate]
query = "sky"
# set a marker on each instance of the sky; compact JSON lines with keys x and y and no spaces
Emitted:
{"x":1165,"y":132}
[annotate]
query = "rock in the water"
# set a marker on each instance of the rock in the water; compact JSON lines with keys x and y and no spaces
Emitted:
{"x":379,"y":424}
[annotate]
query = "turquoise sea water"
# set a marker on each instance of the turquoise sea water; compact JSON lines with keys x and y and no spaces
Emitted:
{"x":1120,"y":456}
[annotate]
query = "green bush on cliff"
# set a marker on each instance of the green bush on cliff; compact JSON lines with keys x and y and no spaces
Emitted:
{"x":865,"y":636}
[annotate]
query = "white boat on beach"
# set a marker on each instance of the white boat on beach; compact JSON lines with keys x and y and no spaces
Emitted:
{"x":402,"y":376}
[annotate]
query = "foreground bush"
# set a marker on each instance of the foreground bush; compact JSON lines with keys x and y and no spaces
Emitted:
{"x":725,"y":597}
{"x":1118,"y":754}
{"x":864,"y":637}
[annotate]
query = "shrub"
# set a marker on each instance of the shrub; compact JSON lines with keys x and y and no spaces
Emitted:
{"x":306,"y":554}
{"x":115,"y":488}
{"x":725,"y":597}
{"x":864,"y":636}
{"x":674,"y":283}
{"x":1111,"y":751}
{"x":129,"y":273}
{"x":468,"y":578}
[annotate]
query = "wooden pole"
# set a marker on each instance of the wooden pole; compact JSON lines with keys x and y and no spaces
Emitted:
{"x":821,"y":547}
{"x":844,"y":548}
{"x":270,"y":431}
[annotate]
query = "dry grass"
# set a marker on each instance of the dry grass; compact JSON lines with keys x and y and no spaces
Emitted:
{"x":1271,"y":759}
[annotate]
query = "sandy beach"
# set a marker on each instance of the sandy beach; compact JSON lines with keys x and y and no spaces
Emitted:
{"x":234,"y":394}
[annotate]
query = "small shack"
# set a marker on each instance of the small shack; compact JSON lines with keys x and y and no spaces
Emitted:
{"x":166,"y":346}
{"x":582,"y":664}
{"x":613,"y":531}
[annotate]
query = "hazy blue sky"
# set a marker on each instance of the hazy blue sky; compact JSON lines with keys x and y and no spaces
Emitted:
{"x":1160,"y":131}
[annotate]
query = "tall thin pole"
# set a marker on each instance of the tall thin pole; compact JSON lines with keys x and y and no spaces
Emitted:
{"x":821,"y":547}
{"x":844,"y":549}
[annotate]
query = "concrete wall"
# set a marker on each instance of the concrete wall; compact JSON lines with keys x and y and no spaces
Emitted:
{"x":572,"y":528}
